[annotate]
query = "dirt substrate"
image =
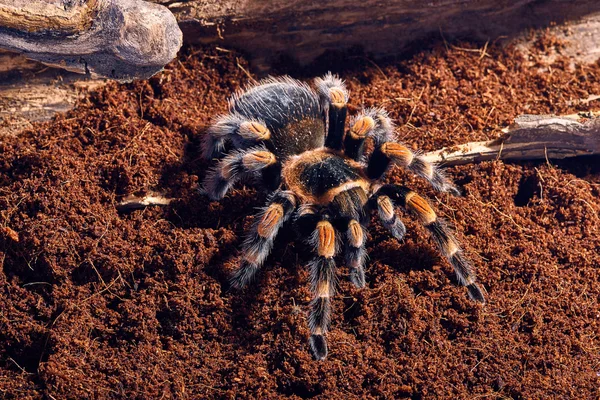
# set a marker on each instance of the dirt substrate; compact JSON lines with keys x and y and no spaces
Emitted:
{"x":96,"y":303}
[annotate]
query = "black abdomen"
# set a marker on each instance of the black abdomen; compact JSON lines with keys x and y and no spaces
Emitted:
{"x":291,"y":111}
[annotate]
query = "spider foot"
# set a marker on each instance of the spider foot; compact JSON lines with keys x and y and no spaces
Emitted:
{"x":476,"y":293}
{"x":243,"y":275}
{"x":318,"y":346}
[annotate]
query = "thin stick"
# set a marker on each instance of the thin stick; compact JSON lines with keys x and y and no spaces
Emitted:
{"x":415,"y":106}
{"x":237,"y":61}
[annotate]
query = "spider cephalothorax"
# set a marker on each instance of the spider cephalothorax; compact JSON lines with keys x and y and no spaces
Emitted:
{"x":292,"y":139}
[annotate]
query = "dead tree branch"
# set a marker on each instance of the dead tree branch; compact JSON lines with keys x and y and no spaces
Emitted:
{"x":530,"y":137}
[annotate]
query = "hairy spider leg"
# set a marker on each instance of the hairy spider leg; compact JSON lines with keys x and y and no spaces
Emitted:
{"x":388,"y":215}
{"x":440,"y":233}
{"x":334,"y":103}
{"x":239,"y":162}
{"x":349,"y":209}
{"x":388,"y":151}
{"x":323,"y":281}
{"x":241,"y":131}
{"x":354,"y":141}
{"x":355,"y":252}
{"x":259,"y":240}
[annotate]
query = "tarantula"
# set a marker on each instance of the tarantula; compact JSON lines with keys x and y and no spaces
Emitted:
{"x":292,"y":140}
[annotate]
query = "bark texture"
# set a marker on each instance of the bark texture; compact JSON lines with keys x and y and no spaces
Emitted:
{"x":127,"y":39}
{"x":119,"y":39}
{"x":531,"y":137}
{"x":306,"y":29}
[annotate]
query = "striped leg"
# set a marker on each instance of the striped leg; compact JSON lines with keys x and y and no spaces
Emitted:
{"x":371,"y":122}
{"x":354,"y":142}
{"x":323,"y":282}
{"x":392,"y":152}
{"x":387,"y":151}
{"x":222,"y":177}
{"x":388,"y":216}
{"x":242,"y":132}
{"x":348,"y":211}
{"x":259,"y":240}
{"x":334,"y":102}
{"x":355,"y":252}
{"x":440,"y":232}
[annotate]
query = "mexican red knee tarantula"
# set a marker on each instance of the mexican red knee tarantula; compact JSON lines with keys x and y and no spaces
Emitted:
{"x":292,"y":139}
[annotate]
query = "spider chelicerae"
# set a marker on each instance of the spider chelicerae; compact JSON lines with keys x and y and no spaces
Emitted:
{"x":293,"y":140}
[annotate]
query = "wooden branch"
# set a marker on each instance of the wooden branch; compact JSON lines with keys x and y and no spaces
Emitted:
{"x":531,"y":137}
{"x":119,"y":39}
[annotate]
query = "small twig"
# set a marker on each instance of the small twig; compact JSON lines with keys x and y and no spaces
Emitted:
{"x":500,"y":151}
{"x":415,"y":106}
{"x":590,"y":206}
{"x":18,"y":366}
{"x":479,"y":362}
{"x":135,"y":202}
{"x":375,"y":65}
{"x":187,"y":71}
{"x":237,"y":61}
{"x":540,"y":184}
{"x":590,"y":98}
{"x":482,"y":51}
{"x":107,"y":288}
{"x":36,"y":283}
{"x":522,"y":228}
{"x":444,"y":38}
{"x":489,"y":115}
{"x":220,"y":32}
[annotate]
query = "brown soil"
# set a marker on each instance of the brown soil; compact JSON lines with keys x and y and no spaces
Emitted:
{"x":97,"y":303}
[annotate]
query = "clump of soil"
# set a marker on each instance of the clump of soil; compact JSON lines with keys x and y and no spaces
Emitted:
{"x":106,"y":304}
